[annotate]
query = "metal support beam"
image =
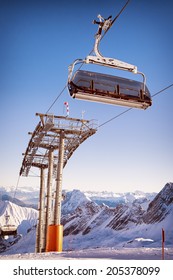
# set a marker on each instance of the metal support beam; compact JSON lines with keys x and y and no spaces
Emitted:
{"x":58,"y":194}
{"x":40,"y":226}
{"x":49,"y":192}
{"x":55,"y":231}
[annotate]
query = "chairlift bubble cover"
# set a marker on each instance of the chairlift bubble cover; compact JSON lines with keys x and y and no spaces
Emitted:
{"x":104,"y":88}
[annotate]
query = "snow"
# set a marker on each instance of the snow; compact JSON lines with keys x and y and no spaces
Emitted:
{"x":143,"y":239}
{"x":99,"y":253}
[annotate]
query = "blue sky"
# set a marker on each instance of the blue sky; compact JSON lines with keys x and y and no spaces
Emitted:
{"x":39,"y":39}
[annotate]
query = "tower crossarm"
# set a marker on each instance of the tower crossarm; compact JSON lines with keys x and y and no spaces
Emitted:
{"x":46,"y":137}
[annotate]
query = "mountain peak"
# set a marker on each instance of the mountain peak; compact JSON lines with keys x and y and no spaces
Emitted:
{"x":161,"y":204}
{"x":167,"y":193}
{"x":72,"y":200}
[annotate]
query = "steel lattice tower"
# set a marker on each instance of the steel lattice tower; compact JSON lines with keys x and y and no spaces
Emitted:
{"x":52,"y":143}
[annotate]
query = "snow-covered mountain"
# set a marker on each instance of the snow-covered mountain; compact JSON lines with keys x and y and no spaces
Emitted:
{"x":112,"y":199}
{"x":82,"y":212}
{"x":25,"y":196}
{"x":136,"y":220}
{"x":127,"y":224}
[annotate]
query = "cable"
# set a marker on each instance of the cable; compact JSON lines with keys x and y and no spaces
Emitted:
{"x":56,"y":99}
{"x":34,"y":174}
{"x":120,"y":12}
{"x":17,"y":184}
{"x":160,"y":91}
{"x":115,"y":117}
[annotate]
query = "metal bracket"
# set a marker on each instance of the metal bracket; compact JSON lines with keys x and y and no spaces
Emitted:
{"x":111,"y":62}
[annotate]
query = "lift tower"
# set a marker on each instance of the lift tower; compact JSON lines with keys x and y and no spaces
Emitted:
{"x":52,"y":143}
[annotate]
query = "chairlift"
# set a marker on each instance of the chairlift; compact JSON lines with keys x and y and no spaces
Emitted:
{"x":7,"y":229}
{"x":99,"y":87}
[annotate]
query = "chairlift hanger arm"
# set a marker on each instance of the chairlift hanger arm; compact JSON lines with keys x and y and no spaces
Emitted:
{"x":98,"y":58}
{"x":105,"y":24}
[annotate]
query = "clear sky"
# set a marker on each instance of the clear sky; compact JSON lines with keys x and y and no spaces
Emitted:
{"x":38,"y":41}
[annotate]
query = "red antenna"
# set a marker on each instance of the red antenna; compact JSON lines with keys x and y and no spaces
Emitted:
{"x":67,"y":108}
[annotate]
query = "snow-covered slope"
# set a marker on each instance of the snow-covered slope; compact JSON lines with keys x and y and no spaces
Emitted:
{"x":96,"y":254}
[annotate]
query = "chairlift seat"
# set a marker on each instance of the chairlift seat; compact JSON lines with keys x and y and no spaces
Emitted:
{"x":98,"y":87}
{"x":8,"y":230}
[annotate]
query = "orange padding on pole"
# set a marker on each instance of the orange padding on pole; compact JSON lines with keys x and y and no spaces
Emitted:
{"x":54,"y":240}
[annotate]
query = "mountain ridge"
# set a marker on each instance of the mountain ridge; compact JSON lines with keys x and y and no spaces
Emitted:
{"x":129,"y":219}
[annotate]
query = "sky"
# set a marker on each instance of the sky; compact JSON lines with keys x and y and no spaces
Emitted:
{"x":39,"y":40}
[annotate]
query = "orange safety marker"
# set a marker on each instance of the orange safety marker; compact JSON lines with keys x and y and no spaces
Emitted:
{"x":54,"y":238}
